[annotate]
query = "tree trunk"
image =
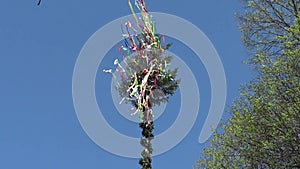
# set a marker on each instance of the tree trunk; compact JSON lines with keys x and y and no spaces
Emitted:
{"x":147,"y":128}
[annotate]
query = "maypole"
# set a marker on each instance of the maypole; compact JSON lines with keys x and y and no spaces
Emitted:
{"x":144,"y":78}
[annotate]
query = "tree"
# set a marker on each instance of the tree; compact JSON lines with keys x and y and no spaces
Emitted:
{"x":264,"y":24}
{"x":264,"y":128}
{"x":145,"y":79}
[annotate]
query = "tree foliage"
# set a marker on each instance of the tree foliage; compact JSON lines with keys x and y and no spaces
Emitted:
{"x":264,"y":24}
{"x":264,"y":128}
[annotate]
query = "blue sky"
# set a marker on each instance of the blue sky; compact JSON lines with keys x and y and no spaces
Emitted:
{"x":38,"y":49}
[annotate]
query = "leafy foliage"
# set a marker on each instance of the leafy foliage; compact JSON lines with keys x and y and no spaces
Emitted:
{"x":160,"y":84}
{"x":265,"y":23}
{"x":264,"y":128}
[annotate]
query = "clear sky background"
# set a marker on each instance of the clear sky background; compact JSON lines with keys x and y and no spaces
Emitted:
{"x":38,"y":50}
